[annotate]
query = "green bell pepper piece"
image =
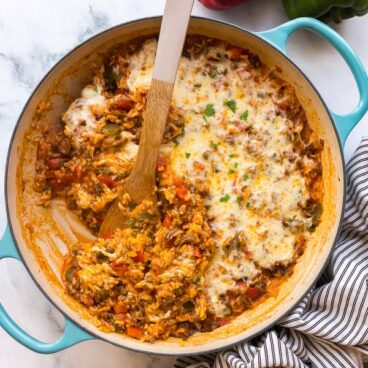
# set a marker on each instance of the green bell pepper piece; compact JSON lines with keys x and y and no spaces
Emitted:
{"x":326,"y":10}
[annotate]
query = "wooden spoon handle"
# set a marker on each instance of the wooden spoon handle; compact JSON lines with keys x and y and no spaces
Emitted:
{"x":170,"y":45}
{"x":154,"y":122}
{"x":171,"y":40}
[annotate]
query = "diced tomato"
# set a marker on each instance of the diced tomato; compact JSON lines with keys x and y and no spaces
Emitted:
{"x":87,"y":300}
{"x":169,"y":243}
{"x":224,"y":322}
{"x":253,"y":293}
{"x":50,"y":174}
{"x":234,"y":53}
{"x":135,"y":332}
{"x":66,"y":178}
{"x":248,"y":254}
{"x":57,"y":186}
{"x":167,"y":221}
{"x":120,"y":308}
{"x":182,"y":192}
{"x":120,"y":269}
{"x":107,"y":180}
{"x":123,"y":103}
{"x":139,"y":257}
{"x":177,"y":181}
{"x":99,"y":220}
{"x":197,"y":252}
{"x":161,"y":164}
{"x":56,"y":162}
{"x":282,"y":106}
{"x":107,"y":234}
{"x":198,"y":165}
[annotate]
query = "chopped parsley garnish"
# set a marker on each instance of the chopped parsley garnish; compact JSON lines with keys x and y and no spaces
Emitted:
{"x":232,"y":155}
{"x":247,"y":205}
{"x":95,"y":88}
{"x":225,"y":198}
{"x":231,"y":171}
{"x":239,"y":201}
{"x":236,"y":165}
{"x":176,"y":142}
{"x":187,"y":155}
{"x":244,"y":115}
{"x":245,"y":176}
{"x":209,"y":111}
{"x":213,"y":145}
{"x":231,"y":104}
{"x":197,"y":85}
{"x":212,"y":74}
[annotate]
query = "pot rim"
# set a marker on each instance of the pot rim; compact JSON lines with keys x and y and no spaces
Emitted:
{"x":105,"y":339}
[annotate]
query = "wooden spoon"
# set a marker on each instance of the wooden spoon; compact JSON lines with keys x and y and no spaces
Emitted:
{"x":140,"y":184}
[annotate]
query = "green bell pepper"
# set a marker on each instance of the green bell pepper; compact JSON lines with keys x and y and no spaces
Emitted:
{"x":326,"y":10}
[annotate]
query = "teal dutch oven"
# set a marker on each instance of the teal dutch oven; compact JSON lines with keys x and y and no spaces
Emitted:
{"x":64,"y":82}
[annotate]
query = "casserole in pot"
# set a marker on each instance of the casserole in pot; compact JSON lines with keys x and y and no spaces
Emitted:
{"x":41,"y":233}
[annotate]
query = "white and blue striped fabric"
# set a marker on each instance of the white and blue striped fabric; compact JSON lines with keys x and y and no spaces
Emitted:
{"x":329,"y":328}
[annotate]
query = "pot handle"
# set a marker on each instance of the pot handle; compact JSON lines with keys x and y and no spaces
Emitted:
{"x":72,"y":333}
{"x":278,"y":37}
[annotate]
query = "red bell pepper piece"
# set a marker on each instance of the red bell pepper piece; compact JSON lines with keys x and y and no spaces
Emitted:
{"x":167,"y":221}
{"x":56,"y":162}
{"x":253,"y":293}
{"x":120,"y":269}
{"x":221,"y":4}
{"x":107,"y":180}
{"x":139,"y":257}
{"x":134,"y":331}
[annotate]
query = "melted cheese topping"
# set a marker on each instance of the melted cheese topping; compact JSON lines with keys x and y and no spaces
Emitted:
{"x":141,"y":66}
{"x":252,"y":186}
{"x":80,"y":122}
{"x":237,"y":144}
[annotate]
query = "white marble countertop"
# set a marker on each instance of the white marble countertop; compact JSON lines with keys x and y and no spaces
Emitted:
{"x":33,"y":36}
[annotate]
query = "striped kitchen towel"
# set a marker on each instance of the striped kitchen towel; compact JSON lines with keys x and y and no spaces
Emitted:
{"x":329,"y":328}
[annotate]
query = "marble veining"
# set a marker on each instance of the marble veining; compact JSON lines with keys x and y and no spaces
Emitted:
{"x":33,"y":36}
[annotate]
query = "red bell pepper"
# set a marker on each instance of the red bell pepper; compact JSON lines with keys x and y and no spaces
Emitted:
{"x":139,"y":257}
{"x":167,"y":221}
{"x":135,"y":332}
{"x":221,"y":4}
